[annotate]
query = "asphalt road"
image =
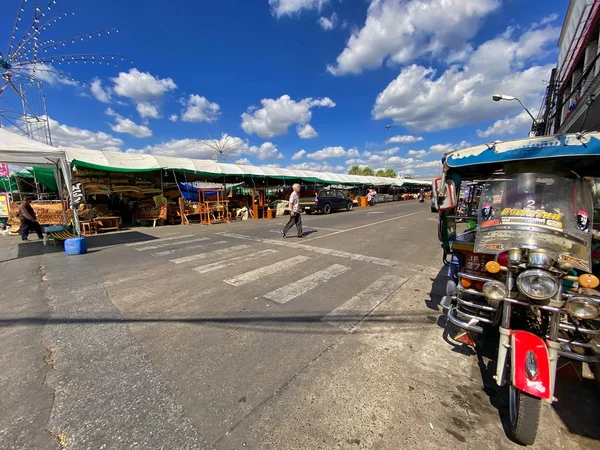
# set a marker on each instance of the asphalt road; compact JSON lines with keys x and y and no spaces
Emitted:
{"x":230,"y":337}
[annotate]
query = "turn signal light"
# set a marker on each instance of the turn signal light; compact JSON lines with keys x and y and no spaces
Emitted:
{"x":465,"y":283}
{"x":492,"y":267}
{"x":587,"y":280}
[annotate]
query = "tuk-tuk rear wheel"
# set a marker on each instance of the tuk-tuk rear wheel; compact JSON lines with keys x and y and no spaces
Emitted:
{"x":524,"y":411}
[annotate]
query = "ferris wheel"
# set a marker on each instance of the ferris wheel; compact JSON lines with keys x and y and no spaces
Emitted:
{"x":30,"y":60}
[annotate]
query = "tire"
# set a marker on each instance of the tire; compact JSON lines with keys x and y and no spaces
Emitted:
{"x":327,"y":208}
{"x":309,"y":211}
{"x":349,"y":206}
{"x":524,"y":412}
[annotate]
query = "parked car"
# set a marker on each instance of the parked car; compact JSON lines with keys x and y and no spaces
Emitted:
{"x":325,"y":201}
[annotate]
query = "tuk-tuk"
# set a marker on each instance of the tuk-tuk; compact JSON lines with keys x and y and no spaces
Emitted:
{"x":517,"y":228}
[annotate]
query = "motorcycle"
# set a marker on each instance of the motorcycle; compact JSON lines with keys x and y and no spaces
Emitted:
{"x":521,"y":264}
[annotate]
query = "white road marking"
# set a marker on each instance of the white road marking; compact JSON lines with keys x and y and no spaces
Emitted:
{"x":168,"y":244}
{"x":293,"y":290}
{"x":374,"y":212}
{"x":367,"y":225}
{"x":309,"y":229}
{"x":346,"y":316}
{"x":204,"y":255}
{"x":232,"y":261}
{"x":323,"y":251}
{"x":257,"y":274}
{"x":183,"y":249}
{"x":158,"y":239}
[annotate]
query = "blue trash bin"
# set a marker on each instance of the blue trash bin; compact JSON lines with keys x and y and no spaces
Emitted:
{"x":76,"y":246}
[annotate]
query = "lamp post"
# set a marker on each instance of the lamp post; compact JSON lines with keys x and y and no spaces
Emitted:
{"x":387,"y":136}
{"x":498,"y":97}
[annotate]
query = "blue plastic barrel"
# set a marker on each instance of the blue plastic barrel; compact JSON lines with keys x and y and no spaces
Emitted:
{"x":75,"y":246}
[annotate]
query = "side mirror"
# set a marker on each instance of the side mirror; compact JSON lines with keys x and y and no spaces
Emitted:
{"x":449,"y":197}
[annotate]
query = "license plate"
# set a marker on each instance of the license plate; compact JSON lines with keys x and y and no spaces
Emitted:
{"x":477,"y":262}
{"x":307,"y":207}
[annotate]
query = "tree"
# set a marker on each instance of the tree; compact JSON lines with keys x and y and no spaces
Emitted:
{"x":357,"y":170}
{"x":367,"y":171}
{"x":389,"y":173}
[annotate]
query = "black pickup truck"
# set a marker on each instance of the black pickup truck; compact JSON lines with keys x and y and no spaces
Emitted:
{"x":326,"y":201}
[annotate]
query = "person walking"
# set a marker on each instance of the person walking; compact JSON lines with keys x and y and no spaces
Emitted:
{"x":28,"y":220}
{"x":294,"y":213}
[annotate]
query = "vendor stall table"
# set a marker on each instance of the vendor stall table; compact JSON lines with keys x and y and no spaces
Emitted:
{"x":101,"y":223}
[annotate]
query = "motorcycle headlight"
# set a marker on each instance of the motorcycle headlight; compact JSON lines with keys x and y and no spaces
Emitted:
{"x":537,"y":284}
{"x":495,"y":291}
{"x":582,"y":308}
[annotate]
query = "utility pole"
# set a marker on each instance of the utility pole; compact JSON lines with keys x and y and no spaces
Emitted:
{"x":387,"y":137}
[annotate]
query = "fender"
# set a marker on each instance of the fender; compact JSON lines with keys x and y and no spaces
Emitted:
{"x":527,"y":348}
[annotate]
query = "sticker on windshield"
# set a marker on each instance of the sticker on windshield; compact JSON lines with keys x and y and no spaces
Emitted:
{"x":565,"y":258}
{"x":535,"y":217}
{"x":492,"y":247}
{"x":583,"y":221}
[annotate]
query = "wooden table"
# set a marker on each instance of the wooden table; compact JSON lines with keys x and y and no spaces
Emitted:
{"x":111,"y":219}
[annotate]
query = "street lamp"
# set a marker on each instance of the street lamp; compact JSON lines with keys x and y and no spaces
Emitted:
{"x":498,"y":97}
{"x":387,"y":138}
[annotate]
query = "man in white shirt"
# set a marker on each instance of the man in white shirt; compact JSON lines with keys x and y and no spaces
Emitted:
{"x":294,"y":213}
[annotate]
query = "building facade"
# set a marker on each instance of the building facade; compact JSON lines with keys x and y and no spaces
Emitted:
{"x":571,"y":104}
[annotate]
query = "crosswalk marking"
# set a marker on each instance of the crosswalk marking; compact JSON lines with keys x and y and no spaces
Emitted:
{"x":324,"y":251}
{"x":132,"y":244}
{"x":257,"y":274}
{"x":232,"y":261}
{"x":346,"y":316}
{"x":204,"y":255}
{"x":293,"y":290}
{"x":189,"y":247}
{"x":168,"y":244}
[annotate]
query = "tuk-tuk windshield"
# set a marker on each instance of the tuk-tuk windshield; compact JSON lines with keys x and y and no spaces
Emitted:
{"x":537,"y":211}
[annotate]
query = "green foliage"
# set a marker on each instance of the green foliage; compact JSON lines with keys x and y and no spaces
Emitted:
{"x":357,"y":170}
{"x":389,"y":173}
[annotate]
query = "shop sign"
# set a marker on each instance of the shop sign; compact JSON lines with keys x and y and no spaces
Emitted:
{"x":4,"y":205}
{"x":78,"y":196}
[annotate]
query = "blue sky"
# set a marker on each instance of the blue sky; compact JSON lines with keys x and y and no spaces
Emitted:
{"x":299,"y":83}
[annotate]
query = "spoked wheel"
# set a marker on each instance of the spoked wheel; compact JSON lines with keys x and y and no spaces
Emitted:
{"x":327,"y":208}
{"x":349,"y":206}
{"x":524,"y":411}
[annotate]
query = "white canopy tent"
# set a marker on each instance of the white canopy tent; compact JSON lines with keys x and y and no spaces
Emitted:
{"x":135,"y":162}
{"x":16,"y":149}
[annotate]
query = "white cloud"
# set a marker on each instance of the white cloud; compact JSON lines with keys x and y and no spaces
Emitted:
{"x":520,"y":123}
{"x":148,"y":110}
{"x":266,"y":151}
{"x":276,"y":115}
{"x":419,"y":154}
{"x":299,"y":155}
{"x":244,"y":162}
{"x":199,"y":109}
{"x":328,"y":152}
{"x":353,"y":153}
{"x":406,"y":139}
{"x":173,"y":117}
{"x":328,"y":23}
{"x":51,"y":76}
{"x":141,"y":86}
{"x":99,"y":93}
{"x":429,"y":164}
{"x":67,"y":136}
{"x":445,"y":148}
{"x":306,"y":131}
{"x":461,"y":95}
{"x":123,"y":125}
{"x":281,"y":8}
{"x":318,"y":167}
{"x":400,"y":31}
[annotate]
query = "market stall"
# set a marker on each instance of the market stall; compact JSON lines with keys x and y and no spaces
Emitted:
{"x":16,"y":149}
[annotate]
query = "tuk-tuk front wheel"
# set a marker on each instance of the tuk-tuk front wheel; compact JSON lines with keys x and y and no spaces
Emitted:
{"x":524,"y":411}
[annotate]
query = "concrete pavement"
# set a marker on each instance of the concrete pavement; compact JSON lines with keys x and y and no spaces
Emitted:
{"x":230,"y":337}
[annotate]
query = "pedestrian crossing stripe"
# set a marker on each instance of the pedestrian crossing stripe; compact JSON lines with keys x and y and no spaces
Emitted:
{"x":133,"y":244}
{"x":257,"y":274}
{"x":232,"y":261}
{"x":169,"y":244}
{"x":204,"y":255}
